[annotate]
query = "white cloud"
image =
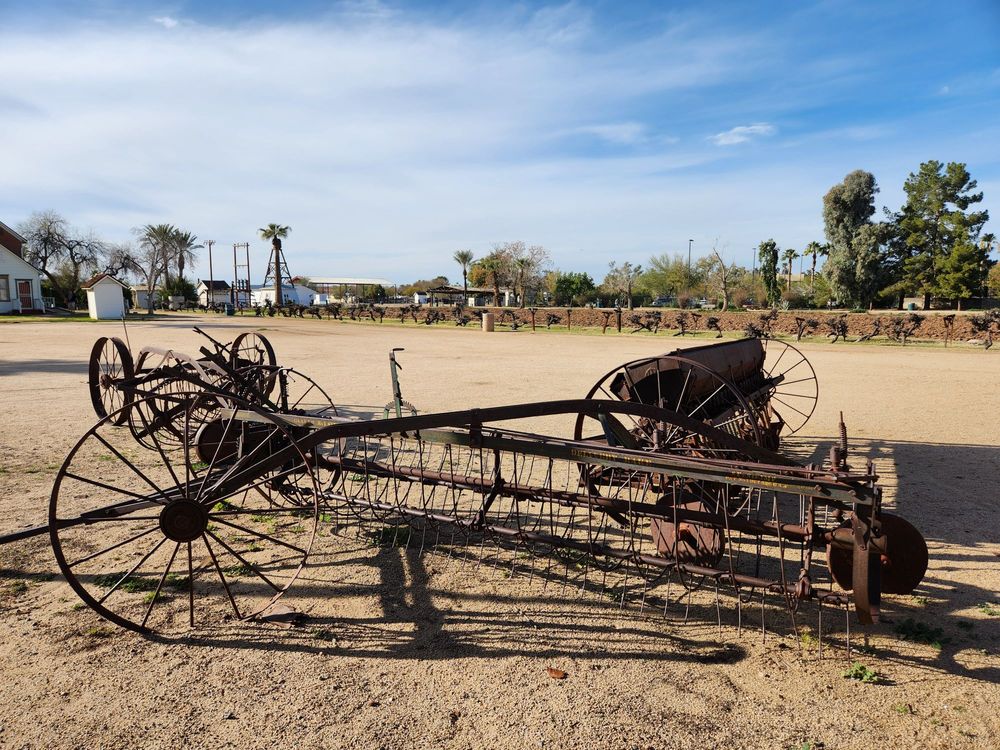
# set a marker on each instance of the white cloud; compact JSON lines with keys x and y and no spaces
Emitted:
{"x":165,"y":21}
{"x":742,"y":134}
{"x":623,"y":133}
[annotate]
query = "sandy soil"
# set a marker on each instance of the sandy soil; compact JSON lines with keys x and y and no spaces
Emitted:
{"x":408,"y":651}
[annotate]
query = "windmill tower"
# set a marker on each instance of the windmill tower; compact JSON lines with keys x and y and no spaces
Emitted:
{"x":277,"y":270}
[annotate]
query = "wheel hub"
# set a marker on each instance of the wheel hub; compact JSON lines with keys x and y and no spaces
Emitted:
{"x":183,"y":520}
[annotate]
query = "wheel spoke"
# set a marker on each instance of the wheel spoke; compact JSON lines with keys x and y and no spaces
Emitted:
{"x":222,"y":577}
{"x":791,"y":407}
{"x":261,"y":535}
{"x":111,"y":487}
{"x":134,"y":568}
{"x":91,"y":556}
{"x":159,"y":450}
{"x":159,"y":585}
{"x":249,"y":566}
{"x":132,"y":466}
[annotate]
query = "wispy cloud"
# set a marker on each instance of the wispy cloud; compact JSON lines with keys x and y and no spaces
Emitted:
{"x":623,"y":133}
{"x":165,"y":21}
{"x":540,"y":125}
{"x":742,"y":134}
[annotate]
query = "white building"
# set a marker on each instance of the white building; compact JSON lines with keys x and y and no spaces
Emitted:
{"x":20,"y":282}
{"x":220,"y":293}
{"x":105,"y":297}
{"x":290,"y":293}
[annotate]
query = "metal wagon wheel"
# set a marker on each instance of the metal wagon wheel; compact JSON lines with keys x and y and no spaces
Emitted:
{"x":252,"y":357}
{"x":251,"y":349}
{"x":110,"y":364}
{"x":795,"y":391}
{"x":723,"y":406}
{"x":159,"y":542}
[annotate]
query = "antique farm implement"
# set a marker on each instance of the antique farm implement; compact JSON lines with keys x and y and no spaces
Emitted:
{"x":198,"y":495}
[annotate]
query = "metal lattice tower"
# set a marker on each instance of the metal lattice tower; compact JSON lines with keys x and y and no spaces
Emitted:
{"x":277,"y":271}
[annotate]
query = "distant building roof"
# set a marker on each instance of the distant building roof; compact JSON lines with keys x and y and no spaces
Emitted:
{"x":215,"y":285}
{"x":95,"y":280}
{"x":347,"y":281}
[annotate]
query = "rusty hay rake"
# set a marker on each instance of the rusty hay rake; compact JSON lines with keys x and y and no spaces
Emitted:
{"x":197,"y":496}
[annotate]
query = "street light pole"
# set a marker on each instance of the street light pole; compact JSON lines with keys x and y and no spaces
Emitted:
{"x":690,"y":242}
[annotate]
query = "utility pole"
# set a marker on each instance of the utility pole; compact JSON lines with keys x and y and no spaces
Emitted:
{"x":210,"y":293}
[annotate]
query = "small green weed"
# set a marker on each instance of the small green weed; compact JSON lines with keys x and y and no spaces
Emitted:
{"x":990,"y":610}
{"x":324,"y":635}
{"x":222,"y":506}
{"x":98,"y":631}
{"x":132,"y":584}
{"x":919,"y":632}
{"x":861,"y":673}
{"x":390,"y":536}
{"x":240,"y":571}
{"x":904,"y":708}
{"x":16,"y":588}
{"x":148,"y":597}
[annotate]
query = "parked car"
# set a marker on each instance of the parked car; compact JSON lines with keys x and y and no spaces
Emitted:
{"x":662,"y":302}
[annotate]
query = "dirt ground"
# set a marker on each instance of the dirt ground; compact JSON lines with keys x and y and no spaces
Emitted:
{"x":426,"y":651}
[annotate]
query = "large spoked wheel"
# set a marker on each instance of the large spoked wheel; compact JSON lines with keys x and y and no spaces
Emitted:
{"x":110,"y":365}
{"x":795,"y":391}
{"x":679,"y":385}
{"x":165,"y":541}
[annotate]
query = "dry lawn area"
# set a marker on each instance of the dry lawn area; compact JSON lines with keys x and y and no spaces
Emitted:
{"x":405,"y":651}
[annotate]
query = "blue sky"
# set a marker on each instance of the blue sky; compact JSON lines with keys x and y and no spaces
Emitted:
{"x":389,"y":135}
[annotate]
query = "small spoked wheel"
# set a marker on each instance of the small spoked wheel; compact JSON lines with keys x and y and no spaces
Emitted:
{"x":795,"y":390}
{"x":251,"y":350}
{"x":252,"y":357}
{"x":110,"y":365}
{"x":165,"y":541}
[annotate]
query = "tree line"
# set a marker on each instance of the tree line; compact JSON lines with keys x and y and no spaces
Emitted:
{"x":67,"y":257}
{"x":932,"y":246}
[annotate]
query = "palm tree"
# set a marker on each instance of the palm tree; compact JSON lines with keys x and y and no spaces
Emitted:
{"x":492,"y":268}
{"x":788,"y":255}
{"x":522,"y":266}
{"x":812,"y":249}
{"x":464,"y":259}
{"x":275,"y":233}
{"x":184,"y":247}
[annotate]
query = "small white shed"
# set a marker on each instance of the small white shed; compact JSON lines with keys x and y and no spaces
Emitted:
{"x":105,"y":297}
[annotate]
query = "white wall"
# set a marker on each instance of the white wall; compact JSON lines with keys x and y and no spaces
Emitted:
{"x":105,"y":301}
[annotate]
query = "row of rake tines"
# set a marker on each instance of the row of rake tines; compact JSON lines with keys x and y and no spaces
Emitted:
{"x":395,"y":493}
